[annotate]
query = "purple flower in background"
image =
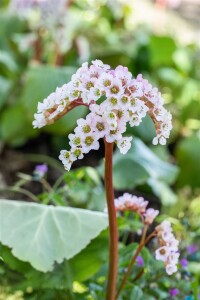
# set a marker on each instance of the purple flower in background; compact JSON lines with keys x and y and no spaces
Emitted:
{"x":173,"y":292}
{"x":184,"y":263}
{"x":40,"y":171}
{"x":191,"y":249}
{"x":140,"y":261}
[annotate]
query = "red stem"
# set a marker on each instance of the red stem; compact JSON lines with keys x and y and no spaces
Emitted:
{"x":143,"y":242}
{"x":113,"y":232}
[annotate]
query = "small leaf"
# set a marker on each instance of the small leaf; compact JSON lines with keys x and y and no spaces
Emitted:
{"x":136,"y":294}
{"x":42,"y":234}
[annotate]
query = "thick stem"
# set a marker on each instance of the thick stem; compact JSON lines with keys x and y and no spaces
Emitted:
{"x":113,"y":232}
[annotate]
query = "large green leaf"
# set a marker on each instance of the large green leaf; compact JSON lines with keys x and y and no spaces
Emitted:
{"x":40,"y":81}
{"x":146,"y":160}
{"x":43,"y":234}
{"x":146,"y":131}
{"x":161,"y":189}
{"x":140,"y":165}
{"x":128,"y":173}
{"x":79,"y":268}
{"x":15,"y":128}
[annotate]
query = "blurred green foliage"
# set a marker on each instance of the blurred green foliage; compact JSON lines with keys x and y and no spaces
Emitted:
{"x":33,"y":62}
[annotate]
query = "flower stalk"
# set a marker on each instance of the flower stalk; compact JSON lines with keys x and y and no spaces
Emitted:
{"x":141,"y":245}
{"x":113,"y":231}
{"x":143,"y":242}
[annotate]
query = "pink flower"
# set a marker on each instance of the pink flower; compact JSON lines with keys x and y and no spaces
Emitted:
{"x":127,"y":101}
{"x":169,"y":247}
{"x":150,"y":215}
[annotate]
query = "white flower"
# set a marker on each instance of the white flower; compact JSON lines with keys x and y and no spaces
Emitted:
{"x":171,"y":268}
{"x":115,"y":89}
{"x":124,"y":144}
{"x":99,"y":125}
{"x":150,"y":215}
{"x":169,"y":247}
{"x":94,"y":94}
{"x":39,"y":121}
{"x":162,"y":253}
{"x":114,"y":135}
{"x":172,"y":244}
{"x":66,"y":158}
{"x":111,"y":118}
{"x":84,"y":127}
{"x":112,"y":102}
{"x":164,"y":226}
{"x":77,"y":153}
{"x":105,"y":81}
{"x":124,"y":100}
{"x":123,"y":74}
{"x":173,"y":258}
{"x":74,"y":140}
{"x":90,"y":142}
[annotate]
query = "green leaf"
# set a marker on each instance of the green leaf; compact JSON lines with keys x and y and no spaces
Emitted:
{"x":188,"y":159}
{"x":88,"y":261}
{"x":40,"y":81}
{"x":170,"y":76}
{"x":42,"y":234}
{"x":7,"y":61}
{"x":5,"y":85}
{"x":134,"y":174}
{"x":146,"y":131}
{"x":136,"y":293}
{"x":161,"y":189}
{"x":10,"y":24}
{"x":15,"y":128}
{"x":79,"y":268}
{"x":161,"y":50}
{"x":182,"y":59}
{"x":141,"y":165}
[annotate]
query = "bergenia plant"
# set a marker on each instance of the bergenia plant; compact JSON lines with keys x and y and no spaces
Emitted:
{"x":115,"y":100}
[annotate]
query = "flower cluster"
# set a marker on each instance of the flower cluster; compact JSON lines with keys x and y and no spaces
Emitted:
{"x":138,"y":205}
{"x":41,"y":11}
{"x":168,"y":251}
{"x":123,"y":100}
